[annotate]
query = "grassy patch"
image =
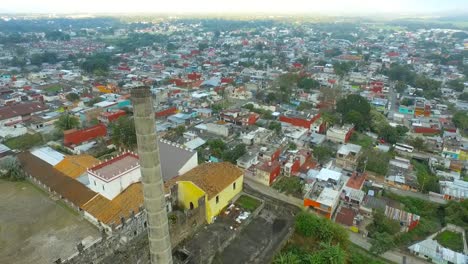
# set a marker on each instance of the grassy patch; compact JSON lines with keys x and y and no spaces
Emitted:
{"x":53,"y":88}
{"x":362,"y":140}
{"x":248,"y":203}
{"x":451,"y":240}
{"x":357,"y":255}
{"x":24,"y":142}
{"x":289,"y":185}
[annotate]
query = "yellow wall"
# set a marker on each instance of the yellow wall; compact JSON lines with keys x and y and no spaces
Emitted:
{"x":225,"y":196}
{"x":463,"y":155}
{"x":189,"y":192}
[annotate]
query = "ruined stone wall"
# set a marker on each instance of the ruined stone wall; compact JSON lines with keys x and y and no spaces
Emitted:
{"x":184,"y":223}
{"x":128,"y":243}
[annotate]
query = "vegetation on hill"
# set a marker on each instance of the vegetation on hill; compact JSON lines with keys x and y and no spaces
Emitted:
{"x":433,"y":217}
{"x":317,"y":240}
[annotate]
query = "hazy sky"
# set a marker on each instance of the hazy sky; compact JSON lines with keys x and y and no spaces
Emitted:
{"x":235,"y":6}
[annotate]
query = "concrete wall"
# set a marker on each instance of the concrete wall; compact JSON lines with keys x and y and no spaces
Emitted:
{"x":115,"y":187}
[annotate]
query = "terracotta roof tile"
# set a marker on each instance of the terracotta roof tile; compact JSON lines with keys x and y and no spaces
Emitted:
{"x":212,"y":178}
{"x":75,"y":166}
{"x":122,"y":205}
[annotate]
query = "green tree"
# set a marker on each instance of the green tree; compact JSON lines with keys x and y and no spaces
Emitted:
{"x":328,"y":254}
{"x":11,"y":169}
{"x":401,"y":73}
{"x":389,"y":134}
{"x":381,"y":243}
{"x":382,"y":224}
{"x":418,"y":143}
{"x":217,"y":147}
{"x":457,"y":85}
{"x":66,"y":122}
{"x":355,"y":109}
{"x":407,"y":101}
{"x":249,"y":106}
{"x":463,"y":97}
{"x":72,"y":97}
{"x":342,"y":68}
{"x":98,"y":64}
{"x":275,"y":126}
{"x":180,"y":130}
{"x":292,"y":146}
{"x":235,"y":153}
{"x":304,"y":106}
{"x":322,"y":153}
{"x":308,"y":84}
{"x":357,"y":119}
{"x":460,"y":119}
{"x":123,"y":132}
{"x":427,"y":181}
{"x":93,"y":101}
{"x":400,"y":86}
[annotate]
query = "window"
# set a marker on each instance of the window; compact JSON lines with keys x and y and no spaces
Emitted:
{"x":94,"y":183}
{"x":103,"y":187}
{"x":234,"y":186}
{"x":217,"y":199}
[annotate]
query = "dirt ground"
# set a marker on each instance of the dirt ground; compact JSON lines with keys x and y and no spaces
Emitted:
{"x":36,"y":229}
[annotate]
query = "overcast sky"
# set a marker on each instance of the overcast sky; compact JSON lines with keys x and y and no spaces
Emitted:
{"x":235,"y":6}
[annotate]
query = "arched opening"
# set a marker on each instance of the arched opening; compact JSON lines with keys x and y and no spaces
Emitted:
{"x":191,"y":206}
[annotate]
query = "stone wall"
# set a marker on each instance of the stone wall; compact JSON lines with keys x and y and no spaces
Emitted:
{"x":131,"y":231}
{"x":182,"y":224}
{"x":128,"y":243}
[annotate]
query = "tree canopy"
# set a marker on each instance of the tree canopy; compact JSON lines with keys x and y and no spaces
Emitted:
{"x":11,"y":169}
{"x":67,"y":121}
{"x":123,"y":132}
{"x":72,"y":97}
{"x":98,"y":64}
{"x":355,"y":109}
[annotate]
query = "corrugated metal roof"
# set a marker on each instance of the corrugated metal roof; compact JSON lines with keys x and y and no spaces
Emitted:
{"x":48,"y":155}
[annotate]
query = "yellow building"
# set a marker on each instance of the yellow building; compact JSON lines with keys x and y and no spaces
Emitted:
{"x":218,"y":183}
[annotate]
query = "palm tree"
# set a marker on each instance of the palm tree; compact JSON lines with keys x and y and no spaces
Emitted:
{"x":66,"y":122}
{"x":286,"y":258}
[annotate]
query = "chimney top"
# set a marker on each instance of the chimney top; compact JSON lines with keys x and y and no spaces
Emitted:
{"x":141,"y":92}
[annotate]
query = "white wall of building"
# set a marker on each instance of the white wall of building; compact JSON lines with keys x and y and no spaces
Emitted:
{"x":114,"y":187}
{"x":191,"y":163}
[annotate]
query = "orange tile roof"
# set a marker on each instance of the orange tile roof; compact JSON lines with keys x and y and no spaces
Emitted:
{"x":212,"y":178}
{"x":75,"y":166}
{"x":122,"y":205}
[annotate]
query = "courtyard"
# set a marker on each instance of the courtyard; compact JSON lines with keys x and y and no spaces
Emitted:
{"x":36,"y":229}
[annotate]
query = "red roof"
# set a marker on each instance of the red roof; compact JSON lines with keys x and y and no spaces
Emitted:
{"x":356,"y":181}
{"x":21,"y":109}
{"x":426,"y":130}
{"x":393,"y":54}
{"x":76,"y":137}
{"x":345,"y":216}
{"x":114,"y":115}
